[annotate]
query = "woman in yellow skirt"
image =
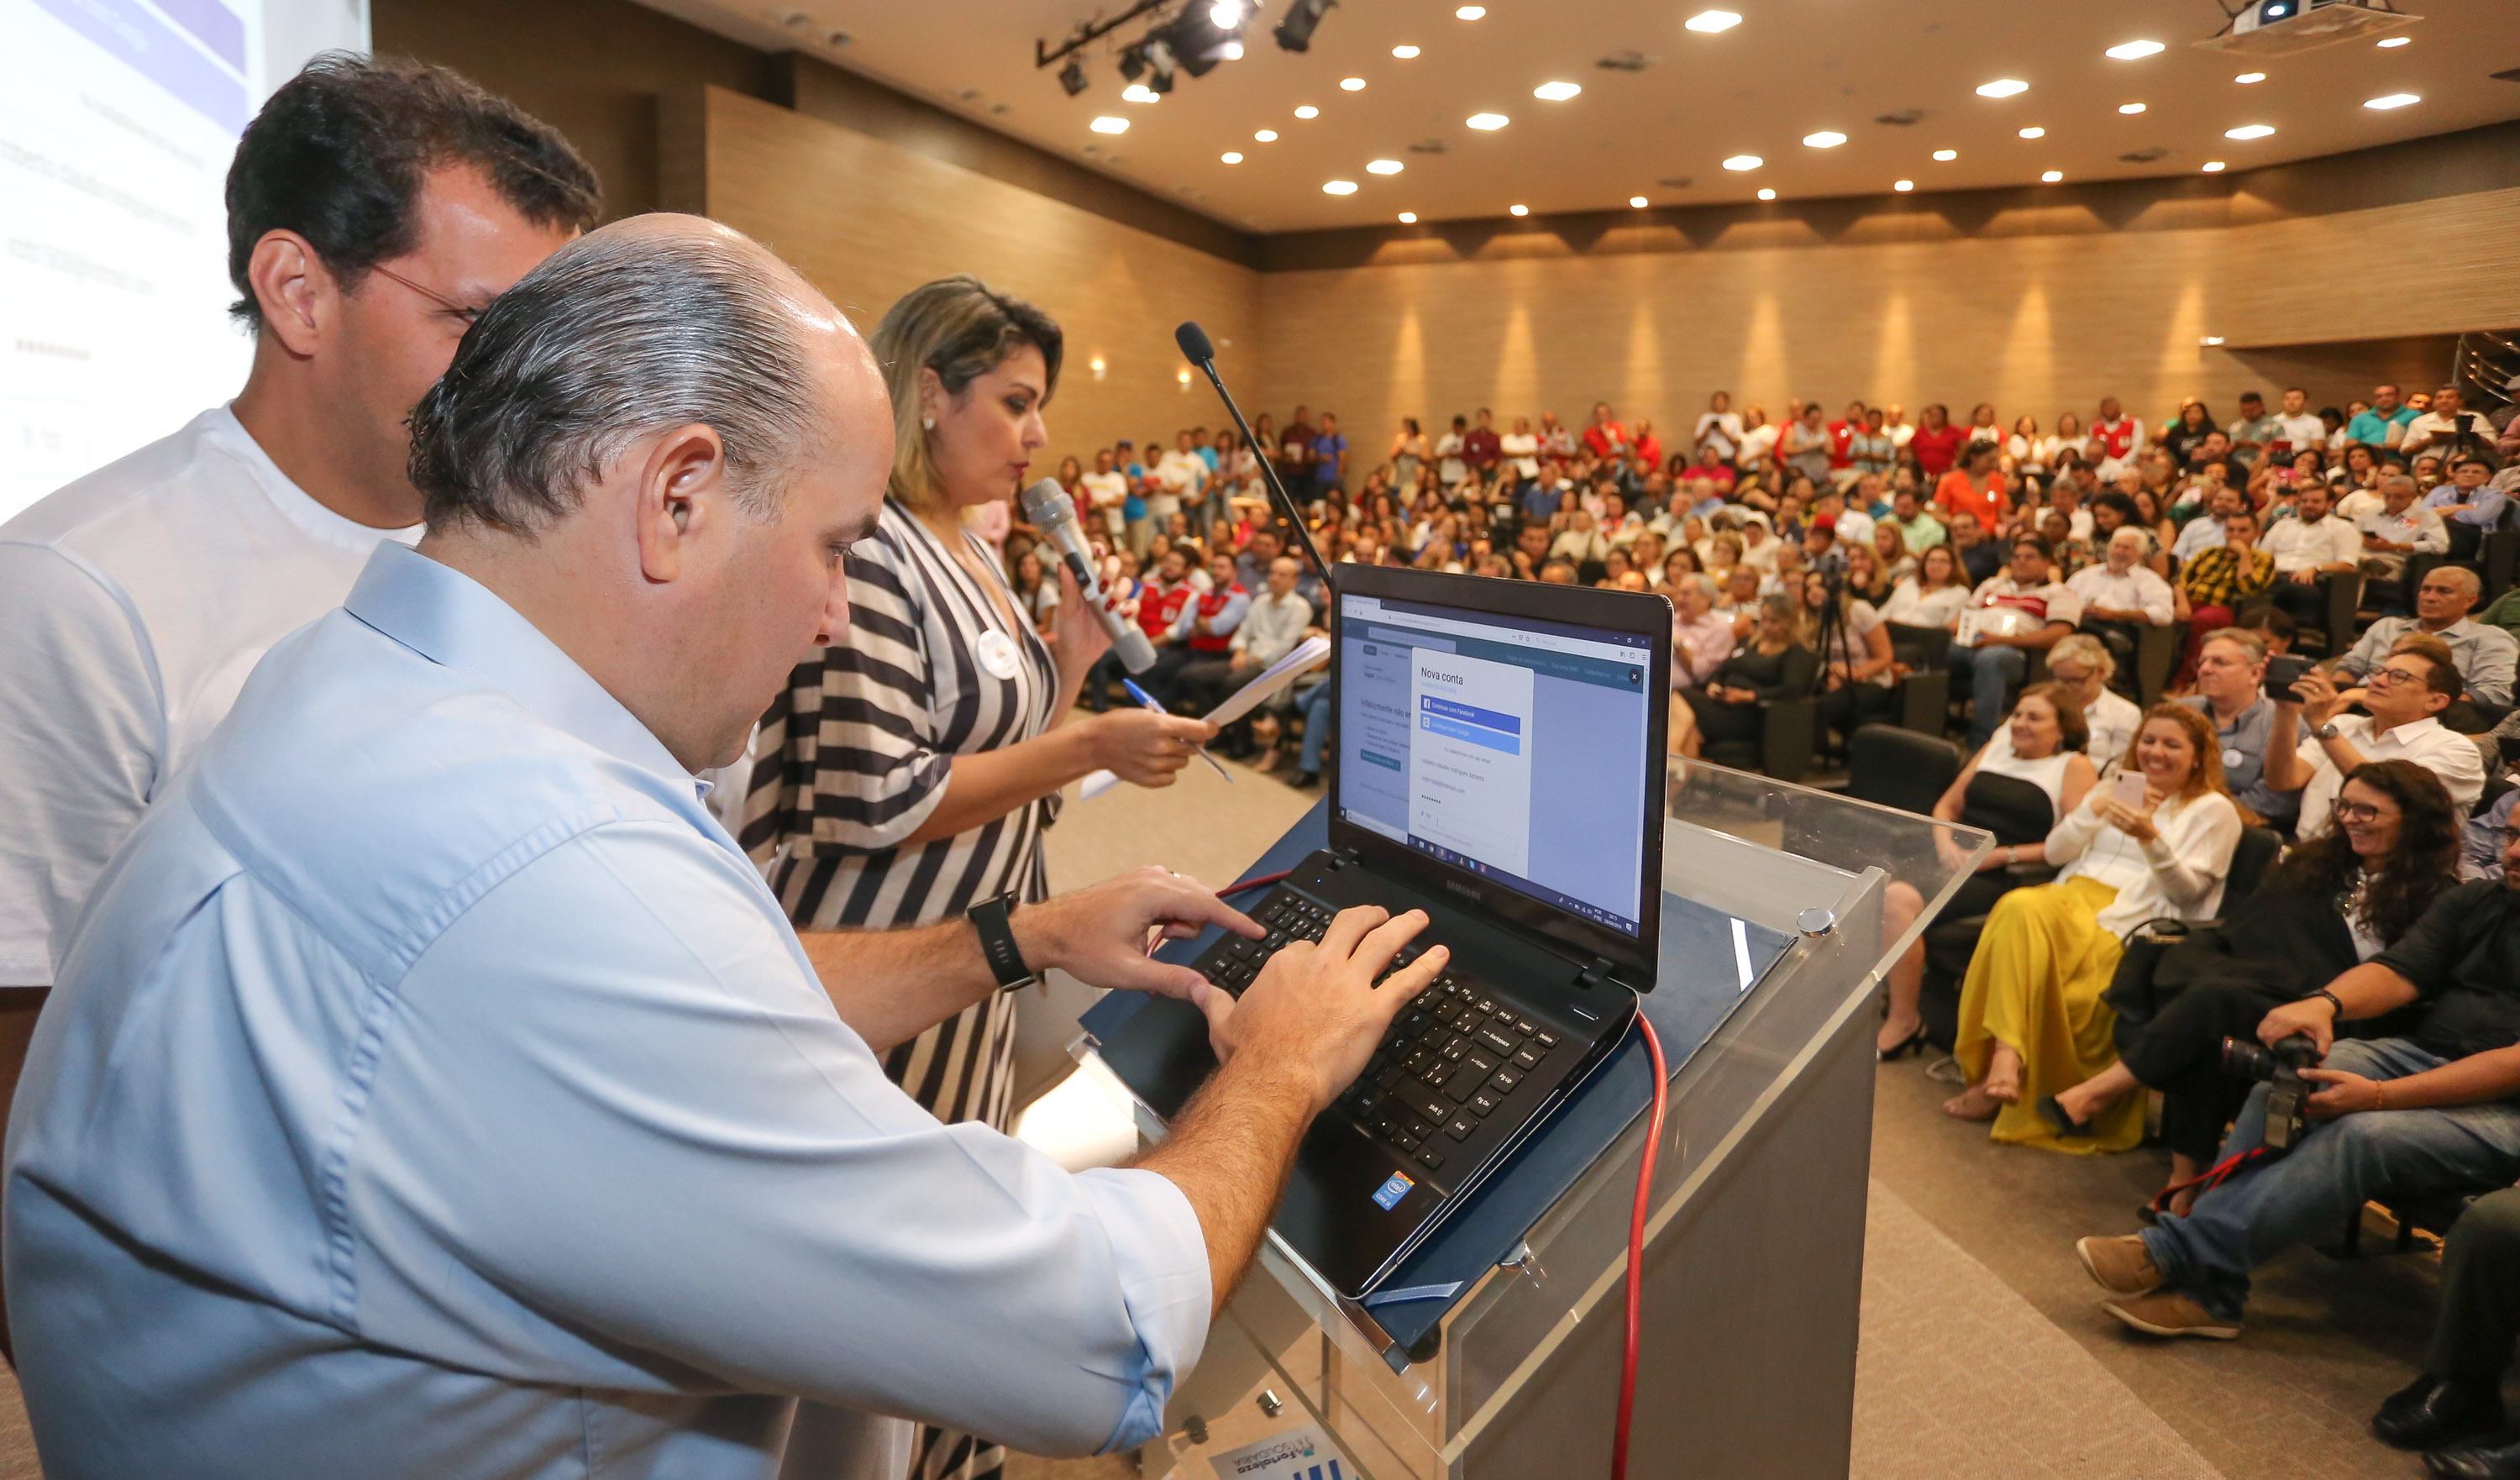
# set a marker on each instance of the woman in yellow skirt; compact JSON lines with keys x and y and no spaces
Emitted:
{"x":2031,"y":1020}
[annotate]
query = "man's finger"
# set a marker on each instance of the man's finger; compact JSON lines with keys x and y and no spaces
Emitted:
{"x":2324,"y":1076}
{"x":1349,"y":925}
{"x":1413,"y":979}
{"x":1181,"y":901}
{"x":1383,"y":941}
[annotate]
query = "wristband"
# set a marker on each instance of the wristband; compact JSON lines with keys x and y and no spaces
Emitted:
{"x":2332,"y":1001}
{"x":998,"y":942}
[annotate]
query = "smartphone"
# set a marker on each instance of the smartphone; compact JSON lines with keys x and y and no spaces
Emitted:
{"x":2283,"y":670}
{"x":2127,"y":791}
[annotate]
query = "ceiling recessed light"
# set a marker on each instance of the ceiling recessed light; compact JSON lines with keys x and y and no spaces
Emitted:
{"x":2129,"y":51}
{"x":2213,"y":166}
{"x":2050,"y":177}
{"x":1351,"y":84}
{"x":2245,"y":78}
{"x":1338,"y":187}
{"x":1946,"y":156}
{"x":1308,"y":111}
{"x":1767,"y":195}
{"x":2210,"y":341}
{"x":2130,"y":107}
{"x":1903,"y":184}
{"x":1555,"y":92}
{"x":2249,"y":131}
{"x":1487,"y":122}
{"x":1469,"y":12}
{"x":1107,"y":125}
{"x":1139,"y":92}
{"x":1824,"y":139}
{"x":1744,"y":161}
{"x":1267,"y":136}
{"x":1519,"y":210}
{"x":1404,"y":53}
{"x":1409,"y":218}
{"x":2034,"y":132}
{"x":1233,"y":157}
{"x":2396,"y":41}
{"x":2002,"y":87}
{"x":1711,"y":21}
{"x":1639,"y":202}
{"x":2392,"y":100}
{"x":1382,"y":167}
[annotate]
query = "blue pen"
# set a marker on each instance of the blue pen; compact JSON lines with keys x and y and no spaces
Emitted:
{"x":1147,"y":700}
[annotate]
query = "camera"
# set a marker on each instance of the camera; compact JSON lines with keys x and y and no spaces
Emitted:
{"x":2283,"y":670}
{"x":2279,"y":1068}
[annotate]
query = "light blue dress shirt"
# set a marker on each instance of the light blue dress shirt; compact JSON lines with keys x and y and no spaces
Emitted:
{"x":432,"y":1089}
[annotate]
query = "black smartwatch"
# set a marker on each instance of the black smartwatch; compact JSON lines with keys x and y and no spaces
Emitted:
{"x":998,"y":942}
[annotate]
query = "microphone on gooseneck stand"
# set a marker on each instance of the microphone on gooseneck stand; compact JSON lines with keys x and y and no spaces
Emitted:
{"x":1047,"y":508}
{"x":1194,"y":343}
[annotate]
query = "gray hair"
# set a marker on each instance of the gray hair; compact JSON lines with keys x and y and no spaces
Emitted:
{"x":2247,"y":640}
{"x":1703,"y":584}
{"x":2087,"y":650}
{"x":616,"y":336}
{"x":2390,"y":479}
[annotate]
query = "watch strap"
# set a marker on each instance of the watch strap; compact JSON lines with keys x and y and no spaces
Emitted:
{"x":989,"y":917}
{"x":2333,"y":1000}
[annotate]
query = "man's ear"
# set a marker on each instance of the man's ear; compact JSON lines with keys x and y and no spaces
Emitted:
{"x":682,"y":489}
{"x":299,"y":299}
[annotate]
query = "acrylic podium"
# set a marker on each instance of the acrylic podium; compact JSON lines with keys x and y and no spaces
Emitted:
{"x":1494,"y":1351}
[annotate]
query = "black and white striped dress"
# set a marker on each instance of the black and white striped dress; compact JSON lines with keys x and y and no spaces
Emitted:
{"x":853,"y":757}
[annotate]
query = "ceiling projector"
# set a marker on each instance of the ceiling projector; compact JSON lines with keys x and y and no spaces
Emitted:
{"x":2281,"y":28}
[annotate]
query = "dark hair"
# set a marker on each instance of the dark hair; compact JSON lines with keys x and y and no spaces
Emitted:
{"x":2441,"y":666}
{"x":2038,"y":542}
{"x":2074,"y":725}
{"x":613,"y":338}
{"x":2112,"y":498}
{"x":339,"y":153}
{"x":961,"y":329}
{"x":2415,"y":873}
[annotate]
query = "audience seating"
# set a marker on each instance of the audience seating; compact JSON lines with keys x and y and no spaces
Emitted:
{"x":1897,"y":766}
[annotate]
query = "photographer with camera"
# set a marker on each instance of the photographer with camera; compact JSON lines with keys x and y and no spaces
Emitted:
{"x":2427,"y":1112}
{"x":2405,"y":694}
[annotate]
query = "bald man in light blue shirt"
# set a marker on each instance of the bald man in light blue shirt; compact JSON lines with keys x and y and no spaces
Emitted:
{"x":433,"y":1088}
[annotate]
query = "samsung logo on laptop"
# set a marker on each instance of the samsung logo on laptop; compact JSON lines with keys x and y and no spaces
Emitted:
{"x":1463,"y":890}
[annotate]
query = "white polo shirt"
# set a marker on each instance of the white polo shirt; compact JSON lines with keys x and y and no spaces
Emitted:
{"x":136,"y":601}
{"x":2446,"y":753}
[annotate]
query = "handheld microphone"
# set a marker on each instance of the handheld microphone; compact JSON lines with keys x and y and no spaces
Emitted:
{"x":1194,"y":345}
{"x":1047,"y":508}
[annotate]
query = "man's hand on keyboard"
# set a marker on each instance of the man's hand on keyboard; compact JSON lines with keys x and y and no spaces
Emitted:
{"x":1099,"y":934}
{"x":1316,"y":1008}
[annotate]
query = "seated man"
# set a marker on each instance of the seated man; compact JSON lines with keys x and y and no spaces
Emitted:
{"x":2396,"y":529}
{"x":2468,"y":509}
{"x":1276,"y":621}
{"x":2486,"y":656}
{"x":2231,"y":679}
{"x":2120,"y":597}
{"x":2312,"y":546}
{"x":2405,"y":696}
{"x":2460,"y":1393}
{"x":472,"y":1109}
{"x":1992,"y":654}
{"x":2428,"y":1112}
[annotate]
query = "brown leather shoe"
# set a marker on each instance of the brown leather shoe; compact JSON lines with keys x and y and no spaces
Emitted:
{"x":2167,"y":1313}
{"x":2120,"y":1266}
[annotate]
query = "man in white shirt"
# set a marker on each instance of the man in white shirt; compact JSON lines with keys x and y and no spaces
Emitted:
{"x":1718,"y":427}
{"x":2403,"y":694}
{"x":2122,"y":595}
{"x":1894,"y":420}
{"x":1270,"y":629}
{"x":2309,"y":547}
{"x":2398,"y":527}
{"x":1107,"y":489}
{"x":2437,"y":428}
{"x":1181,"y":476}
{"x":2021,"y":610}
{"x":2298,"y":428}
{"x":375,"y":209}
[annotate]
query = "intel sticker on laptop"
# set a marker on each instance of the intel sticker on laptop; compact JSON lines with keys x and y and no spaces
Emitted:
{"x":1388,"y":1196}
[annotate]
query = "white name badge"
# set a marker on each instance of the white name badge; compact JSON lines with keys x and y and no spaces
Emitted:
{"x":997,"y":653}
{"x":2231,"y":758}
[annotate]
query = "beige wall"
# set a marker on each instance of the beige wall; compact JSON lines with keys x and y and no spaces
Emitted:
{"x":2035,"y":323}
{"x":867,"y":221}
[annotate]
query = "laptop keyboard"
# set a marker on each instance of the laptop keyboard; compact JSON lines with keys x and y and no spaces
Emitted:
{"x":1454,"y":1065}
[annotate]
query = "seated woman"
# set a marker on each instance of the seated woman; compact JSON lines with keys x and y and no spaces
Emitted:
{"x":2031,"y":1019}
{"x":2040,"y":742}
{"x":2335,"y":902}
{"x":1773,"y":664}
{"x":1934,"y":595}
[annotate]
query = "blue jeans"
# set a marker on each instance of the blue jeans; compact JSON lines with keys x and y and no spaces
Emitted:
{"x":1314,"y":702}
{"x":2341,"y":1163}
{"x":1987,"y":672}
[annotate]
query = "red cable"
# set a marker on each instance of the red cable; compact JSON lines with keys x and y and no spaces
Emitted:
{"x":1262,"y":881}
{"x":1637,"y":1252}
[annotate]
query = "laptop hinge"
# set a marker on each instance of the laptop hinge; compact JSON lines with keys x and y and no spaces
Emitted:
{"x":1594,"y":975}
{"x":1340,"y":857}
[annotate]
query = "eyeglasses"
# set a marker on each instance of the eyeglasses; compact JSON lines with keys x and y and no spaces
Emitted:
{"x":2360,"y":812}
{"x":2392,"y":675}
{"x":470,"y":316}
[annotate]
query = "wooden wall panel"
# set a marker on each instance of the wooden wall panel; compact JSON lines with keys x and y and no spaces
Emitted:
{"x":2033,"y":322}
{"x":866,"y":221}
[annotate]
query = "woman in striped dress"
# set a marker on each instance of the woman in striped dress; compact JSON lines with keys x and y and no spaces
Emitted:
{"x":908,"y":774}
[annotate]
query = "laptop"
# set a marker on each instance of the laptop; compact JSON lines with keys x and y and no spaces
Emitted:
{"x":1500,"y":766}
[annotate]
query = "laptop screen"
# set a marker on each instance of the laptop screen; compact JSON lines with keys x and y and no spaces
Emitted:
{"x":1510,"y":747}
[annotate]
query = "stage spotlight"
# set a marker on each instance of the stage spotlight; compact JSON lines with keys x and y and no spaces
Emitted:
{"x":1072,"y":77}
{"x":1295,"y":33}
{"x":1196,"y":43}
